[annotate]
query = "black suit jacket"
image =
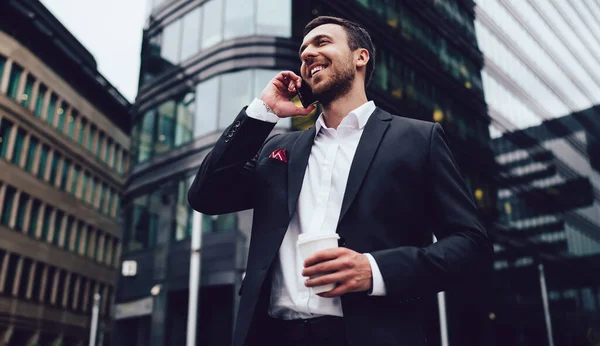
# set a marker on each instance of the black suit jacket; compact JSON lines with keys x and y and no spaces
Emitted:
{"x":403,"y":184}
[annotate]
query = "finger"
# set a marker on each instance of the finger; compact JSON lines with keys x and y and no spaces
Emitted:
{"x":292,"y":86}
{"x":336,"y":292}
{"x":331,"y":278}
{"x":325,"y":255}
{"x":289,"y":74}
{"x":326,"y":267}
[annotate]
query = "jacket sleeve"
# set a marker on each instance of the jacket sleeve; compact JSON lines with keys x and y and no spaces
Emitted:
{"x":224,"y":182}
{"x":463,"y":249}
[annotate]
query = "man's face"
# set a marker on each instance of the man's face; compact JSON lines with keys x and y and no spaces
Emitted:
{"x":327,"y":62}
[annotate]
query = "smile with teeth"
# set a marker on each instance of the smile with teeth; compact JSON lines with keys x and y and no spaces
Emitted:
{"x":317,"y":69}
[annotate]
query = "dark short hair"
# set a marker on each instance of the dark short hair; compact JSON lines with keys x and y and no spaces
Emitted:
{"x":358,"y":37}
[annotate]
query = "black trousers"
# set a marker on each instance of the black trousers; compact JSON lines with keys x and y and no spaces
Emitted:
{"x":319,"y":331}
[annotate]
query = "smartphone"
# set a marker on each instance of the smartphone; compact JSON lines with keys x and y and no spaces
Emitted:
{"x":305,"y":95}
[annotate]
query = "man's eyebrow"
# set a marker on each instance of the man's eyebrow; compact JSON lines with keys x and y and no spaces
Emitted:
{"x":314,"y":39}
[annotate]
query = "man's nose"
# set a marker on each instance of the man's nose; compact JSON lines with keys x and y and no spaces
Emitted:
{"x":308,"y":54}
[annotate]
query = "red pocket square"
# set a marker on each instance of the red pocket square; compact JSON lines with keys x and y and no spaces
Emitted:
{"x":279,"y":154}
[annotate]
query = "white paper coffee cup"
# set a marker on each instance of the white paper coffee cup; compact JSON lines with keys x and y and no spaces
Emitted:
{"x":310,"y":243}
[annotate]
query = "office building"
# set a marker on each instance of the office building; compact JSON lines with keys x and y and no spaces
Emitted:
{"x":64,"y":150}
{"x":542,"y":81}
{"x":202,"y":61}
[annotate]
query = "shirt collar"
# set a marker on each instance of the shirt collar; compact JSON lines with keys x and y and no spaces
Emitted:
{"x":356,"y":119}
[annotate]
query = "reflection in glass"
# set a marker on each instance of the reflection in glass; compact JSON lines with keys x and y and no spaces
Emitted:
{"x":171,"y":43}
{"x":279,"y":24}
{"x":26,"y":96}
{"x":207,"y":107}
{"x":236,"y":92}
{"x":39,"y":102}
{"x":14,"y":80}
{"x":185,"y":119}
{"x":212,"y":24}
{"x":165,"y":127}
{"x":239,"y":19}
{"x":190,"y":43}
{"x":183,"y":214}
{"x":146,"y":135}
{"x":144,"y":222}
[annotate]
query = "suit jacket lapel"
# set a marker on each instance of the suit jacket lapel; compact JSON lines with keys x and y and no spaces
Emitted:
{"x":297,"y":166}
{"x":367,"y":146}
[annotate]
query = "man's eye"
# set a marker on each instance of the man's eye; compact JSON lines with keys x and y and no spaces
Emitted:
{"x":322,"y":42}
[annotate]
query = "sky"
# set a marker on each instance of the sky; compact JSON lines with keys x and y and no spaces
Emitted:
{"x":112,"y":31}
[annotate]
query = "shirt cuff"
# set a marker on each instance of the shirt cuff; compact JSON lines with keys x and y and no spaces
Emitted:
{"x":378,"y":288}
{"x":259,"y":111}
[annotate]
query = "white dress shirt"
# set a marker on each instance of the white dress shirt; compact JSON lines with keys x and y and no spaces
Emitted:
{"x":318,"y":210}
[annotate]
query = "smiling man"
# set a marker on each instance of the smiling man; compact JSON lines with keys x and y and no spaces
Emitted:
{"x":382,"y":182}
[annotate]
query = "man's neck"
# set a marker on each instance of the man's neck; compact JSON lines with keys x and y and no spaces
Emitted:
{"x":336,"y":111}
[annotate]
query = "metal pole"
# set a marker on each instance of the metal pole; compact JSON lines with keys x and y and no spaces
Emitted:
{"x":194,"y":285}
{"x":441,"y":297}
{"x":546,"y":305}
{"x":95,"y":313}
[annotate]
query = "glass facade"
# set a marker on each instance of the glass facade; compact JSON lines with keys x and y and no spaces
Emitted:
{"x":211,"y":107}
{"x":541,"y":82}
{"x":212,"y":22}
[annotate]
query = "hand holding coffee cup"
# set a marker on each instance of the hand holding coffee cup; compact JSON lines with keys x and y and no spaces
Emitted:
{"x":333,"y":270}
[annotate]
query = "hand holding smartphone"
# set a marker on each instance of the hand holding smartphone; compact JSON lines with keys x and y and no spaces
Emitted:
{"x":305,"y":94}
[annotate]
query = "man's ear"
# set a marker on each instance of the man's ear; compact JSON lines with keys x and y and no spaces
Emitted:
{"x":362,"y":57}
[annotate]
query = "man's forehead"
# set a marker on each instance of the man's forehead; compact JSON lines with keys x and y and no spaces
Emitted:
{"x":332,"y":30}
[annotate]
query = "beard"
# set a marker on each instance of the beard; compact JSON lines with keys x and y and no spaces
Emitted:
{"x":338,"y":84}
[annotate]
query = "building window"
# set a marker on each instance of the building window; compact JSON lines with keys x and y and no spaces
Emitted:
{"x":33,"y":145}
{"x":80,"y":298}
{"x":171,"y":43}
{"x":84,"y":188}
{"x":21,"y":212}
{"x":58,"y":221}
{"x":46,"y":224}
{"x":192,"y":22}
{"x":185,"y":119}
{"x":115,"y":155}
{"x":62,"y":117}
{"x":38,"y":271}
{"x":239,"y":19}
{"x":39,"y":102}
{"x":68,"y":228}
{"x":183,"y":213}
{"x":64,"y":174}
{"x":72,"y":292}
{"x":50,"y":278}
{"x":27,"y":92}
{"x":144,"y":222}
{"x":14,"y":80}
{"x":24,"y":282}
{"x":7,"y":207}
{"x":92,"y":191}
{"x":238,"y":88}
{"x":71,"y":121}
{"x":74,"y":179}
{"x":54,"y":168}
{"x":11,"y":274}
{"x":82,"y":131}
{"x":51,"y":109}
{"x":207,"y":107}
{"x":33,"y":217}
{"x":165,"y":127}
{"x":100,"y":144}
{"x":78,"y":229}
{"x":18,"y":148}
{"x":5,"y":129}
{"x":212,"y":23}
{"x":91,"y":136}
{"x":44,"y":150}
{"x":60,"y":287}
{"x":102,"y":188}
{"x":274,"y":25}
{"x":2,"y":65}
